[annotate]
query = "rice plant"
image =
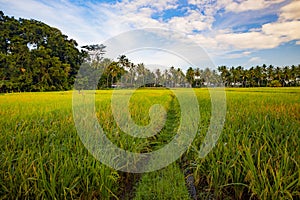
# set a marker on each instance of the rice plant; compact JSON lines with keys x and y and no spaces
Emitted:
{"x":256,"y":157}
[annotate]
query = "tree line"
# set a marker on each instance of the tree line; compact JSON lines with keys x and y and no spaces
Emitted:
{"x":37,"y":57}
{"x":260,"y":76}
{"x":125,"y":74}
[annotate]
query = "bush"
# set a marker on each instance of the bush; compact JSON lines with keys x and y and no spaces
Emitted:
{"x":275,"y":83}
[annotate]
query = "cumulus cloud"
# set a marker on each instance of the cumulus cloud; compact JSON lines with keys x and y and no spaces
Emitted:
{"x":248,"y":5}
{"x":96,"y":21}
{"x":52,"y":13}
{"x":236,"y":5}
{"x":290,"y":11}
{"x":249,"y":40}
{"x":245,"y":5}
{"x":135,"y":5}
{"x":287,"y":28}
{"x":194,"y":21}
{"x":286,"y":31}
{"x":137,"y":14}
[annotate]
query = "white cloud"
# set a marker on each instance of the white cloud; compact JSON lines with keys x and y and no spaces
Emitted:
{"x":192,"y":22}
{"x":55,"y":14}
{"x":210,"y":44}
{"x":134,"y":5}
{"x":254,"y":60}
{"x":96,"y":22}
{"x":128,"y":15}
{"x":246,"y":53}
{"x":249,"y":40}
{"x":287,"y":31}
{"x":290,"y":11}
{"x":245,"y":6}
{"x":238,"y":55}
{"x":270,"y":35}
{"x":236,"y":6}
{"x":248,"y":5}
{"x":287,"y":28}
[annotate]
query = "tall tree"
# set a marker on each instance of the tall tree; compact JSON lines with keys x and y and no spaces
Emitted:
{"x":190,"y":76}
{"x":36,"y":57}
{"x":197,"y":77}
{"x":158,"y":77}
{"x":95,"y":51}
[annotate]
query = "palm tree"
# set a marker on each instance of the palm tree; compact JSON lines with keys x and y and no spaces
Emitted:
{"x":190,"y":76}
{"x":197,"y":76}
{"x":207,"y":76}
{"x":293,"y":74}
{"x":244,"y":77}
{"x":132,"y":72}
{"x":166,"y":77}
{"x":251,"y":76}
{"x":258,"y":75}
{"x":235,"y":75}
{"x":157,"y":77}
{"x":172,"y":72}
{"x":115,"y":70}
{"x":278,"y":74}
{"x":150,"y":78}
{"x":286,"y":76}
{"x":225,"y":74}
{"x":239,"y":70}
{"x":180,"y":77}
{"x":140,"y":69}
{"x":95,"y":51}
{"x":264,"y":75}
{"x":270,"y":74}
{"x":123,"y":61}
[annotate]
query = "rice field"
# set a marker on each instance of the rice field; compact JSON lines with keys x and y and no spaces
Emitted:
{"x":256,"y":157}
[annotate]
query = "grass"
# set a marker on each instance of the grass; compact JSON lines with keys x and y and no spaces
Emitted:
{"x":167,"y":183}
{"x":257,"y":155}
{"x":41,"y":154}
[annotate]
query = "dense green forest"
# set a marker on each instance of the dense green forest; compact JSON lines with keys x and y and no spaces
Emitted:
{"x":37,"y":57}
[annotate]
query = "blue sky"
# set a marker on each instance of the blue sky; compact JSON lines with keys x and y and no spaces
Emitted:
{"x":232,"y":32}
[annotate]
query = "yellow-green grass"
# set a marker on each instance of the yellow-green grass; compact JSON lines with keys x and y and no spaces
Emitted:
{"x":256,"y":156}
{"x":41,"y":154}
{"x":167,"y":183}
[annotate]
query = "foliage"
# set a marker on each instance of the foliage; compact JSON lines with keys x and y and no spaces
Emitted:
{"x":167,"y":183}
{"x":261,"y":76}
{"x":36,"y":57}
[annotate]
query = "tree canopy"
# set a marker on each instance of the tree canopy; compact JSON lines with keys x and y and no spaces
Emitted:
{"x":260,"y":76}
{"x":36,"y":57}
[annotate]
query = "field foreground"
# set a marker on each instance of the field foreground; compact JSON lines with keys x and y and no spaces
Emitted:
{"x":256,"y":157}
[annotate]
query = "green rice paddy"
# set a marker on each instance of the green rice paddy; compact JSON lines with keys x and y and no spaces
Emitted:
{"x":256,"y":157}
